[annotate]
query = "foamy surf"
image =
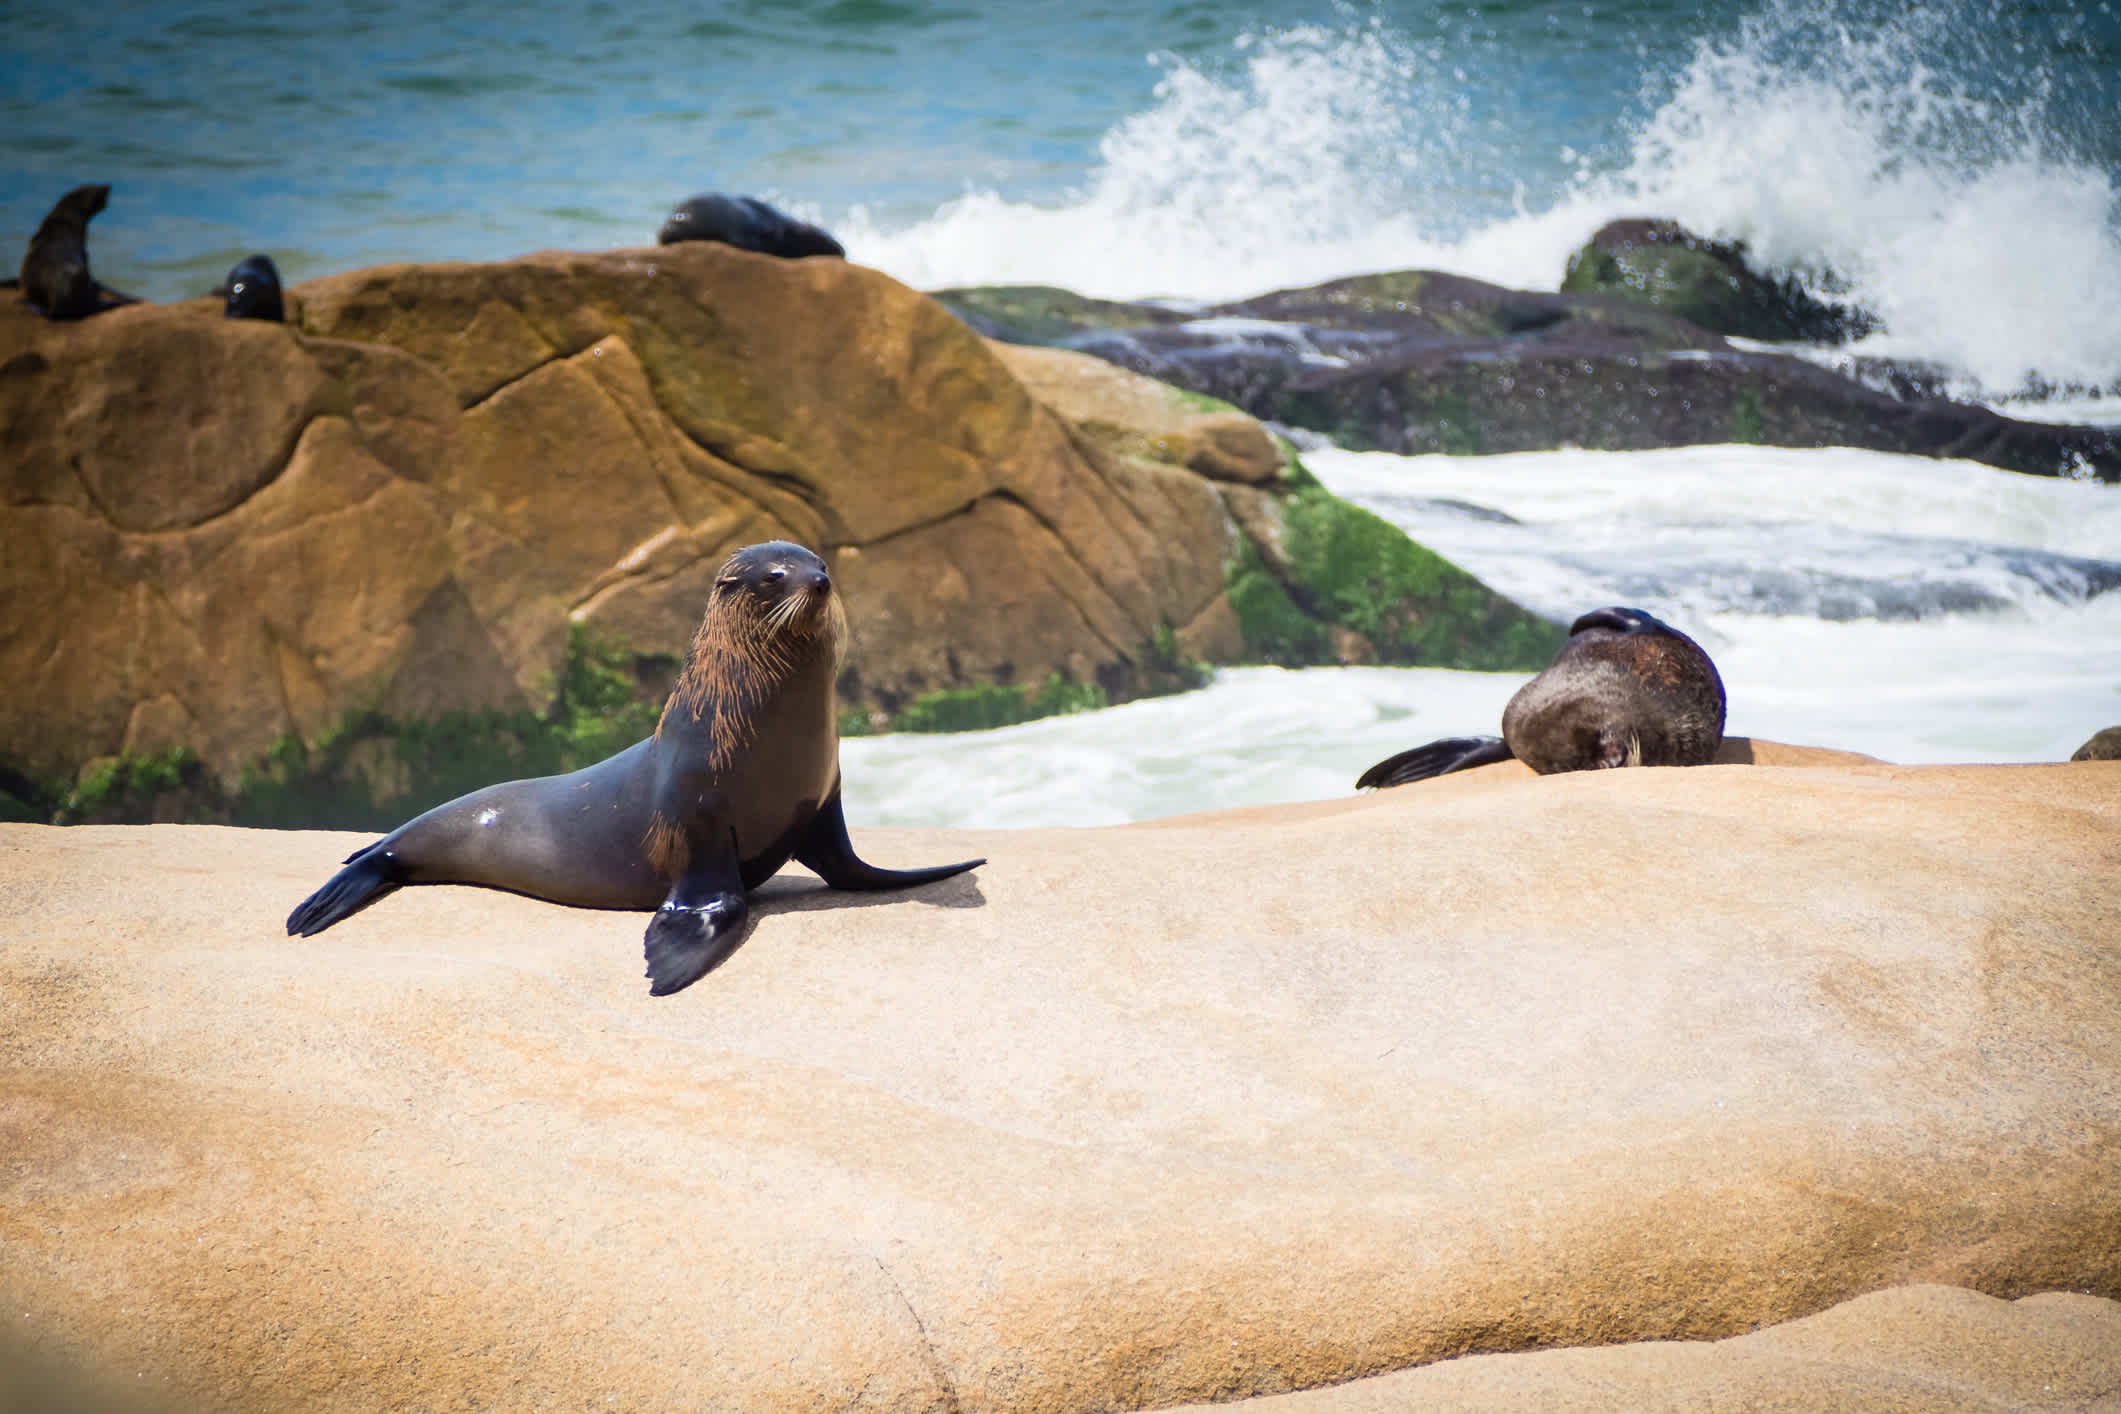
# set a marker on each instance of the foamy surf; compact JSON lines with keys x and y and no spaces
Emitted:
{"x":2013,"y":660}
{"x":1860,"y":149}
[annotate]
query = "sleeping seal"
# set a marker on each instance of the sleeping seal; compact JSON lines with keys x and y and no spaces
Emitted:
{"x":1626,"y":689}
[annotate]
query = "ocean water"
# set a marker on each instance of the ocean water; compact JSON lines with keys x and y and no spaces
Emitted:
{"x":1914,"y":610}
{"x":1954,"y":166}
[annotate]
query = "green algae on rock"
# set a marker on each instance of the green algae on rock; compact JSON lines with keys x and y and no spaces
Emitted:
{"x":1706,"y":282}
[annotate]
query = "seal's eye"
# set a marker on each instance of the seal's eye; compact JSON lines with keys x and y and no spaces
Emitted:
{"x":776,"y":576}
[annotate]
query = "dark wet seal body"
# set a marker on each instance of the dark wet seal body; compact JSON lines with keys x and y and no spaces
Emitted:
{"x":55,"y":279}
{"x":746,"y":223}
{"x":1626,"y":689}
{"x":252,"y":290}
{"x":741,"y":776}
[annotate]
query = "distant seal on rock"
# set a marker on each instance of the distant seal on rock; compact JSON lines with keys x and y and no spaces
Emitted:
{"x":253,"y":290}
{"x":1627,"y":689}
{"x":746,"y":223}
{"x":741,"y":775}
{"x":55,"y":279}
{"x":2102,"y":745}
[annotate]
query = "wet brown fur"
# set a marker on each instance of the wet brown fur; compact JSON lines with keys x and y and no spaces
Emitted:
{"x":666,"y":847}
{"x":1659,"y":689}
{"x":740,"y":654}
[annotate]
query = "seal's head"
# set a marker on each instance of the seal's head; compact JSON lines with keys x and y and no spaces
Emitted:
{"x":771,"y":616}
{"x":1620,"y":620}
{"x":77,"y":207}
{"x":253,"y":291}
{"x":776,"y":595}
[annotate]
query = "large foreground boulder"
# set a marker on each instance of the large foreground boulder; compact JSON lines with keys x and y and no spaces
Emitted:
{"x":219,"y":537}
{"x":1202,"y":1109}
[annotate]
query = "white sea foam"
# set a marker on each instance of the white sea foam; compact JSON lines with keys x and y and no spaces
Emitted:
{"x":1292,"y":170}
{"x":1689,"y":534}
{"x":1953,"y":211}
{"x":1255,"y":736}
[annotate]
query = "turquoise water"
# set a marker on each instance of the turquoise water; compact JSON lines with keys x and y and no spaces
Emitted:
{"x":1192,"y":150}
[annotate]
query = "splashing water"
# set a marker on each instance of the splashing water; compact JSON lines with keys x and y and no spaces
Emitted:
{"x":1906,"y":158}
{"x":1295,"y":169}
{"x":1915,"y":162}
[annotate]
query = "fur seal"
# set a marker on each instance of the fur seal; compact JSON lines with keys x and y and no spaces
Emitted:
{"x":741,"y":775}
{"x":746,"y":223}
{"x":2101,"y":745}
{"x":253,"y":290}
{"x":55,"y":279}
{"x":1627,"y":689}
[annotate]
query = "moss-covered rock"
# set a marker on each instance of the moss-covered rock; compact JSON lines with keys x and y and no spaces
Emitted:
{"x":1349,"y":586}
{"x":1044,"y":314}
{"x":1709,"y":283}
{"x":967,"y":709}
{"x":372,"y":771}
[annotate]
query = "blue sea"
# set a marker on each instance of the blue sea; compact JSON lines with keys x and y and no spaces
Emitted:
{"x":1956,"y":167}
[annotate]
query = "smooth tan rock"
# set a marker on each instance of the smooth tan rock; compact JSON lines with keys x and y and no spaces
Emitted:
{"x":1216,"y":1107}
{"x":1933,"y":1349}
{"x":1138,"y":417}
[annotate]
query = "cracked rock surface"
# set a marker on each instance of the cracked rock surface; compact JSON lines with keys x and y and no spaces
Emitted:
{"x":214,"y":532}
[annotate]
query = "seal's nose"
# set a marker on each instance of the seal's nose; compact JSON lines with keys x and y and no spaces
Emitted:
{"x":820,"y":581}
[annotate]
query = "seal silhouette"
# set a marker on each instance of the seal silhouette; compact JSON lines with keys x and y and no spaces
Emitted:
{"x":1626,"y":689}
{"x":741,"y":775}
{"x":55,"y":279}
{"x":252,"y":290}
{"x":746,"y":223}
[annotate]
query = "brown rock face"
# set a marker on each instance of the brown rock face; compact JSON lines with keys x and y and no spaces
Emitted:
{"x":214,"y":532}
{"x":1217,"y":1107}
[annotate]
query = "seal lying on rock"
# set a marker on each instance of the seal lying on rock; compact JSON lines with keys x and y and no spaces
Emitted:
{"x":741,"y":776}
{"x":746,"y":223}
{"x":1626,"y":689}
{"x":55,"y":279}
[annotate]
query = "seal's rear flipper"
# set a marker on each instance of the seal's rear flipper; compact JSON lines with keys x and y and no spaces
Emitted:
{"x":701,"y":922}
{"x":369,"y":874}
{"x":1453,"y":753}
{"x":826,"y":851}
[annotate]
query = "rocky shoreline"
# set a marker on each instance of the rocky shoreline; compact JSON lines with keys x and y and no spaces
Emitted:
{"x":1636,"y":351}
{"x":260,"y":558}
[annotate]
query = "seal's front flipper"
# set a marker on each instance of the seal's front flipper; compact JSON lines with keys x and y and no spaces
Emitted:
{"x":369,"y":874}
{"x":700,"y":924}
{"x":1453,"y":753}
{"x":826,"y":851}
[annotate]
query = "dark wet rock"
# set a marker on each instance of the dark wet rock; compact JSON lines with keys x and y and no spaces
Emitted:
{"x":1708,"y":282}
{"x":746,"y":223}
{"x":2105,"y":745}
{"x":1418,"y":361}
